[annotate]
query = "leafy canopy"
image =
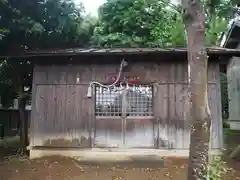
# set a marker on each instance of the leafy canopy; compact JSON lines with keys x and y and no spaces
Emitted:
{"x":155,"y":23}
{"x":36,"y":24}
{"x":138,"y":23}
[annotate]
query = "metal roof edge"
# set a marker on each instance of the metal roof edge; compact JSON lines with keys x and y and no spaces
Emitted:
{"x":235,"y":22}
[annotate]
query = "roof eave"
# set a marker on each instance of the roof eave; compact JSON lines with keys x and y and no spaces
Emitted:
{"x":234,"y":24}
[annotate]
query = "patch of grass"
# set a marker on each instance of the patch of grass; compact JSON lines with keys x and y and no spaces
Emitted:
{"x":9,"y":146}
{"x":10,"y":142}
{"x":231,"y":132}
{"x":232,"y":142}
{"x":226,"y":124}
{"x":217,"y":169}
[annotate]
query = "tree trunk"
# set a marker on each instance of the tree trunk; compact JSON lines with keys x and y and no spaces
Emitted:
{"x":193,"y":16}
{"x":23,"y":120}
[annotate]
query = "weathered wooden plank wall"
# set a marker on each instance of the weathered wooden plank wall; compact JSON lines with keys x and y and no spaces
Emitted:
{"x":173,"y":125}
{"x":233,"y":76}
{"x":63,"y":116}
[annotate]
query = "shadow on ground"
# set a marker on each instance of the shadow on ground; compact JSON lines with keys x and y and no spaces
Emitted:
{"x":9,"y":146}
{"x":148,"y":161}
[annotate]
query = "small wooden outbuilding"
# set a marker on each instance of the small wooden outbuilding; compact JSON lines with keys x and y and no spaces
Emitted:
{"x":146,"y":111}
{"x":232,"y":40}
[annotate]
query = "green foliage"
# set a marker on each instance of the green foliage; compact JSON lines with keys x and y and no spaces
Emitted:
{"x":218,"y":15}
{"x":10,"y":142}
{"x":217,"y":169}
{"x":214,"y":30}
{"x":36,"y":24}
{"x":10,"y":73}
{"x":138,"y":23}
{"x":232,"y":132}
{"x":155,"y":23}
{"x":226,"y":125}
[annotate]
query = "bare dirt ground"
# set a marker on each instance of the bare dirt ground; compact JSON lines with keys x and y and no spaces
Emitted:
{"x":60,"y":168}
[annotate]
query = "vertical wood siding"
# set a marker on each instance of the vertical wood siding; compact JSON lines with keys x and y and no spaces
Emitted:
{"x":233,"y":76}
{"x":173,"y":128}
{"x":64,"y":117}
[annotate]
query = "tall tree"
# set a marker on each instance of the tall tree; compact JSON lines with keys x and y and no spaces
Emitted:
{"x":218,"y":13}
{"x":194,"y":18}
{"x":138,"y":23}
{"x":155,"y":23}
{"x":34,"y":24}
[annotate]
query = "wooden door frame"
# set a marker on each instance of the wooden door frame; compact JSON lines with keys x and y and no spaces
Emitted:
{"x":124,"y":118}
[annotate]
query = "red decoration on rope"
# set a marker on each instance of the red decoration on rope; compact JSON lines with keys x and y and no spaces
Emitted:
{"x":133,"y":81}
